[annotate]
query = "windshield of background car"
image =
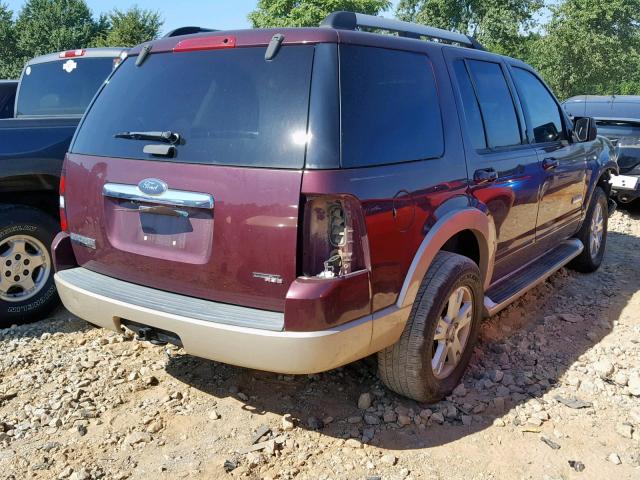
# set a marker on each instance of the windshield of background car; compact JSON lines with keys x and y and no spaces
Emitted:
{"x":62,"y":87}
{"x":230,"y":107}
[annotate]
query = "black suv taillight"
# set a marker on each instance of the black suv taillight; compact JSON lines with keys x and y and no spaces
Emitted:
{"x":333,"y":237}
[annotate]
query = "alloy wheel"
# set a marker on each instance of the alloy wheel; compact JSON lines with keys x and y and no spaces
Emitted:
{"x":25,"y":265}
{"x":597,"y":230}
{"x":452,"y":332}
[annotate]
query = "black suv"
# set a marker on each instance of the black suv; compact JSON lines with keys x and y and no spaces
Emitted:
{"x":618,"y":119}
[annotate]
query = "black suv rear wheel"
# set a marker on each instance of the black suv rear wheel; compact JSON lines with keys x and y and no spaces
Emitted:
{"x":434,"y":350}
{"x":27,"y":290}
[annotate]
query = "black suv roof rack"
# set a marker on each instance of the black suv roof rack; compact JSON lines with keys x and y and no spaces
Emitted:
{"x":187,"y":31}
{"x":353,"y":21}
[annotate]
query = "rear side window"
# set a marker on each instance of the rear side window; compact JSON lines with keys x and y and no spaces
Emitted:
{"x":500,"y":119}
{"x":475,"y":126}
{"x":63,"y":87}
{"x":542,"y":111}
{"x":390,"y":109}
{"x":230,"y":107}
{"x":7,"y":100}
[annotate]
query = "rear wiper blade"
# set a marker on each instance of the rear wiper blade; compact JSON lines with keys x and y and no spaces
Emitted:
{"x":167,"y":137}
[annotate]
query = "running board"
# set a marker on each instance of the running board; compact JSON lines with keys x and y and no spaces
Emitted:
{"x":506,"y":291}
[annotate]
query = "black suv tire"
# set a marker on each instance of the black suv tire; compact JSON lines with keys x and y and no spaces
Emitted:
{"x":590,"y":259}
{"x":32,"y":230}
{"x":407,"y":367}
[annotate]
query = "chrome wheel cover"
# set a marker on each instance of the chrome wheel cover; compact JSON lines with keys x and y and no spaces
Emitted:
{"x":452,"y":332}
{"x":25,"y":265}
{"x":596,"y":231}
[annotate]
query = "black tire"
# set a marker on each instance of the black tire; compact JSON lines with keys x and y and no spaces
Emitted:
{"x":589,"y":261}
{"x":31,"y":223}
{"x":406,"y":366}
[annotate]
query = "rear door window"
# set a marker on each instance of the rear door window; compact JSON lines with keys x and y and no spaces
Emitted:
{"x":61,"y":88}
{"x":475,"y":125}
{"x":541,"y":110}
{"x":390,"y":107}
{"x":496,"y":103}
{"x":230,"y":107}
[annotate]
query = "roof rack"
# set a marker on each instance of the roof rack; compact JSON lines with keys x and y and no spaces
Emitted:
{"x":187,"y":31}
{"x":353,"y":21}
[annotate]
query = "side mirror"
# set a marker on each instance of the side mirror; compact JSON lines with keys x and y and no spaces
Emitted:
{"x":585,"y":129}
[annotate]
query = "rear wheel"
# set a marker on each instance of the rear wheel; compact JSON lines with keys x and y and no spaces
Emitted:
{"x":27,"y":290}
{"x":593,"y":234}
{"x":436,"y":345}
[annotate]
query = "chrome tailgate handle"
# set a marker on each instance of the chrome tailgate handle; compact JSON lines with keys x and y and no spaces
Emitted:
{"x":176,"y":198}
{"x":163,"y":210}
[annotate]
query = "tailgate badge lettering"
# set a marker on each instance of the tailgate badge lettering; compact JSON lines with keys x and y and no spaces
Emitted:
{"x":152,"y":186}
{"x":268,"y":277}
{"x":84,"y":241}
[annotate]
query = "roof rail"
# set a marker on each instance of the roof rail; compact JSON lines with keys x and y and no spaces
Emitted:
{"x":353,"y":21}
{"x":187,"y":31}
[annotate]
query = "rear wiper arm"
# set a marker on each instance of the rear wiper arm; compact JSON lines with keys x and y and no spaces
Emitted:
{"x":167,"y":137}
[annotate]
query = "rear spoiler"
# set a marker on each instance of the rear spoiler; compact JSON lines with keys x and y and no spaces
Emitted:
{"x":187,"y":31}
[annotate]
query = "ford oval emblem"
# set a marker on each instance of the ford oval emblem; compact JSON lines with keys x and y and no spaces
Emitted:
{"x":152,"y":186}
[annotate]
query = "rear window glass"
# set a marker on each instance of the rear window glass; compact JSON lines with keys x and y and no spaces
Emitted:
{"x":230,"y":107}
{"x":63,"y":87}
{"x":390,"y":110}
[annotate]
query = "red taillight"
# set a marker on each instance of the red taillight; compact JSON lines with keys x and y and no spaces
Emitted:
{"x":63,"y":211}
{"x":334,"y":237}
{"x":205,"y":43}
{"x":72,"y":53}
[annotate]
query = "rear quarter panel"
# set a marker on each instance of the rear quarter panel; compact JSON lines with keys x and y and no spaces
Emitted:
{"x":402,"y":202}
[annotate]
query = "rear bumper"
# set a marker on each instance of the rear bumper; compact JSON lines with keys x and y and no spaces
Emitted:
{"x":625,"y":183}
{"x":625,"y":188}
{"x":257,"y":348}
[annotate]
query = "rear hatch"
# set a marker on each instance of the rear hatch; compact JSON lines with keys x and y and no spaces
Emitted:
{"x":210,"y":208}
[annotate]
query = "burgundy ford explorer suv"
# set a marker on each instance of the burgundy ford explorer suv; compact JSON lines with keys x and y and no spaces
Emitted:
{"x":293,"y":200}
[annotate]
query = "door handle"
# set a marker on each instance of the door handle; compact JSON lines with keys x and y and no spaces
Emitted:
{"x":485,"y":175}
{"x":550,"y":163}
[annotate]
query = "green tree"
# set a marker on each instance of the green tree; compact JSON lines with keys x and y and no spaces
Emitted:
{"x":9,"y":64}
{"x":591,"y":47}
{"x":131,"y":27}
{"x":308,"y":13}
{"x":499,"y":24}
{"x":45,"y":26}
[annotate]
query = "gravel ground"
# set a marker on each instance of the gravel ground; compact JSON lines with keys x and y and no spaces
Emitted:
{"x":553,"y":392}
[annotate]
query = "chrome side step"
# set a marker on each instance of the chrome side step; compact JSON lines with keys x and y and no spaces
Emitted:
{"x":507,"y":291}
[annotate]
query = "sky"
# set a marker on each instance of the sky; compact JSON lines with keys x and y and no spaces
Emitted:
{"x":218,"y":14}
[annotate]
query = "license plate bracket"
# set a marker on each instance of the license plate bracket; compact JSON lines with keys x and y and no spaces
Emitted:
{"x":624,"y":182}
